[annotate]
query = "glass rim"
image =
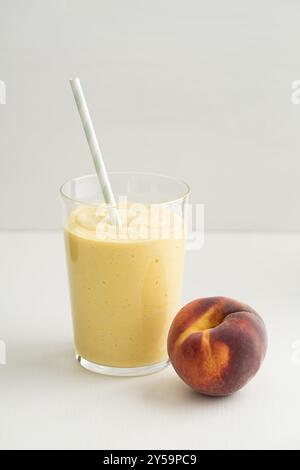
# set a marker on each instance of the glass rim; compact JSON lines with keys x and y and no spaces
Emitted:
{"x":185,"y":194}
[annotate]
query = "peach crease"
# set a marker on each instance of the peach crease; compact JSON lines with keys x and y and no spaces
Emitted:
{"x":210,"y":319}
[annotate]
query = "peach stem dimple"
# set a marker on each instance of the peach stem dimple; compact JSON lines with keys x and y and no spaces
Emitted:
{"x":209,"y":320}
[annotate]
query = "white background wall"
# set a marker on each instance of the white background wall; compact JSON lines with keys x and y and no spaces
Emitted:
{"x":195,"y":88}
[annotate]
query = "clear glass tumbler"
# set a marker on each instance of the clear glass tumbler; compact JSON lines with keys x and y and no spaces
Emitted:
{"x":125,"y":282}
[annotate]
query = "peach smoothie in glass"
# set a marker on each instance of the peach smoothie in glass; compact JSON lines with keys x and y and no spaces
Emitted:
{"x":125,"y":282}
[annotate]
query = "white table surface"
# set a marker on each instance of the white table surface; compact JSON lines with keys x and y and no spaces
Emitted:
{"x":48,"y":401}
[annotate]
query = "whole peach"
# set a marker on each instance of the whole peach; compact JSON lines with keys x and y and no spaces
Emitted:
{"x":216,"y":345}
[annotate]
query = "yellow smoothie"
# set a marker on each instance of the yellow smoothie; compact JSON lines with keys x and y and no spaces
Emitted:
{"x":125,"y":290}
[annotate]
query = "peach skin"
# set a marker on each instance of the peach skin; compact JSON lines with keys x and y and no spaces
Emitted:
{"x":216,"y":345}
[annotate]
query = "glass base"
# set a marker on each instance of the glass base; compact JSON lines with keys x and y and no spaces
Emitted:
{"x":121,"y":371}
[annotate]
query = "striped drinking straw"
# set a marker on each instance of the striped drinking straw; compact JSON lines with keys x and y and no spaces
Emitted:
{"x":95,"y":150}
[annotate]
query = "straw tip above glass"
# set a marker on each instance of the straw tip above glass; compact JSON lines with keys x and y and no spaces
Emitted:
{"x":75,"y":83}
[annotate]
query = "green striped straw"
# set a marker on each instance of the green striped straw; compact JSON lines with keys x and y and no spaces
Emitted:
{"x":95,"y":150}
